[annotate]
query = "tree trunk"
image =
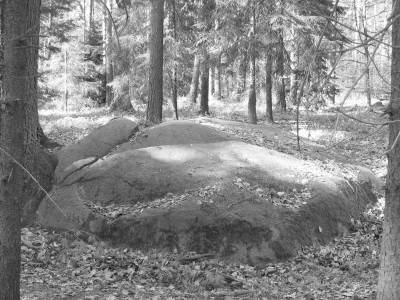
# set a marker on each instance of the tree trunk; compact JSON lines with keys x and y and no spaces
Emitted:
{"x":174,"y":78}
{"x":155,"y":101}
{"x":252,"y":105}
{"x":109,"y":68}
{"x":19,"y":128}
{"x":241,"y":78}
{"x":367,"y":79}
{"x":268,"y":88}
{"x":12,"y":130}
{"x":217,"y":82}
{"x":211,"y":81}
{"x":204,"y":87}
{"x":389,"y":274}
{"x":280,"y":72}
{"x":194,"y":86}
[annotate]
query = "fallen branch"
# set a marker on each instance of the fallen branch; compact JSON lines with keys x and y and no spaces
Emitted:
{"x":196,"y":257}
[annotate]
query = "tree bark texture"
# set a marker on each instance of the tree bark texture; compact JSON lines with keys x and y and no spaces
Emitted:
{"x":194,"y":86}
{"x":280,"y":72}
{"x":389,"y":274}
{"x":268,"y":88}
{"x":109,"y":68}
{"x":204,"y":87}
{"x":14,"y":102}
{"x":155,"y":100}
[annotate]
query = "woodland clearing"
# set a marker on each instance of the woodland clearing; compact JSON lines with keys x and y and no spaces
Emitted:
{"x":72,"y":265}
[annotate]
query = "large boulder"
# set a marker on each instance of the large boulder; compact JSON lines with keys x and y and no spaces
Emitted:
{"x":65,"y":208}
{"x":190,"y":187}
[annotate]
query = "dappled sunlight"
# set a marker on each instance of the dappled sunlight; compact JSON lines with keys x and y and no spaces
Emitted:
{"x":175,"y":154}
{"x":78,"y":123}
{"x":322,"y":135}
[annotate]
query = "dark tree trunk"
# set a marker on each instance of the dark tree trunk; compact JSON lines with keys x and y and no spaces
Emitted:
{"x":389,"y":274}
{"x":204,"y":87}
{"x":241,"y":78}
{"x":268,"y":88}
{"x":12,"y":130}
{"x":252,"y":104}
{"x":194,"y":86}
{"x":155,"y":101}
{"x":280,"y":72}
{"x":19,"y":128}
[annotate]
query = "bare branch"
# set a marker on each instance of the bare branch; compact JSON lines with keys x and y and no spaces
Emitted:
{"x":34,"y":179}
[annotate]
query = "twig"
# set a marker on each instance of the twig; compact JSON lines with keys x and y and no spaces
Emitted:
{"x":366,"y":122}
{"x":34,"y":179}
{"x":232,"y":278}
{"x":393,"y":145}
{"x":346,"y":139}
{"x":196,"y":257}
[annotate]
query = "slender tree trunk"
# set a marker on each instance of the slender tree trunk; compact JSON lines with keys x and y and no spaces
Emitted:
{"x":91,"y":16}
{"x":204,"y":110}
{"x":194,"y":86}
{"x":212,"y":79}
{"x":84,"y":23}
{"x":174,"y":79}
{"x":268,"y":88}
{"x":154,"y":104}
{"x":227,"y":84}
{"x":109,"y":68}
{"x":252,"y":104}
{"x":66,"y":80}
{"x":217,"y":82}
{"x":389,"y":274}
{"x":367,"y":78}
{"x":280,"y":72}
{"x":241,"y":78}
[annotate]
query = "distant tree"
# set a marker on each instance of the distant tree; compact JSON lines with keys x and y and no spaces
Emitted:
{"x":280,"y":72}
{"x":217,"y":79}
{"x":194,"y":86}
{"x":268,"y":87}
{"x":205,"y":77}
{"x":241,"y":78}
{"x":252,"y":103}
{"x":155,"y":100}
{"x":173,"y":78}
{"x":108,"y":60}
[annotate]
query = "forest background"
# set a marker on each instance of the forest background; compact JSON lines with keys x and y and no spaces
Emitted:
{"x":89,"y":59}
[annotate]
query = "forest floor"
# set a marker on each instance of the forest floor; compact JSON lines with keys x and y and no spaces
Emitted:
{"x":71,"y":266}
